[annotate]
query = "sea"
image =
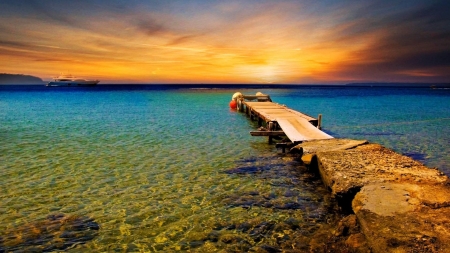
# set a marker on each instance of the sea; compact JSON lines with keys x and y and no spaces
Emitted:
{"x":163,"y":168}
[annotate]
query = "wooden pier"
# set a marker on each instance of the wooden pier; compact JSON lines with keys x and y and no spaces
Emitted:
{"x":409,"y":202}
{"x":278,"y":120}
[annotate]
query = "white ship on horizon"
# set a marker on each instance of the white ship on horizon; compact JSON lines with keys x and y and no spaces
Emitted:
{"x":70,"y":80}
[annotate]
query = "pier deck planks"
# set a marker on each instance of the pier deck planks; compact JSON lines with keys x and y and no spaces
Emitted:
{"x":297,"y":126}
{"x":299,"y":129}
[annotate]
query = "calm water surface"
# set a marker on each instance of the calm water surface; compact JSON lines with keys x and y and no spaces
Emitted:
{"x":164,"y":169}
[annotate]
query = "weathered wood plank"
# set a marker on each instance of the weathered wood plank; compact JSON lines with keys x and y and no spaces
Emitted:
{"x":259,"y":97}
{"x":295,"y":125}
{"x":299,"y":129}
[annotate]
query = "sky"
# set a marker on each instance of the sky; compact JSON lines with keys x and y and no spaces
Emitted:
{"x":247,"y":41}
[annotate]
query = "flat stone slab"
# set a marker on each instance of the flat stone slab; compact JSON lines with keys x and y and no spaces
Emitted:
{"x":403,"y":217}
{"x":346,"y":170}
{"x":313,"y":147}
{"x":310,"y":148}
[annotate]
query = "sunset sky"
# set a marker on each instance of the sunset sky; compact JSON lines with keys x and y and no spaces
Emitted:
{"x":248,"y":41}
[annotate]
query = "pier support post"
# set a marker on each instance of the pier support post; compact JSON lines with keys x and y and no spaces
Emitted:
{"x":240,"y":105}
{"x":319,"y":121}
{"x":282,"y":146}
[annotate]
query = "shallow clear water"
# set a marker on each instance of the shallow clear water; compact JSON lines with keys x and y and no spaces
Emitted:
{"x":175,"y":169}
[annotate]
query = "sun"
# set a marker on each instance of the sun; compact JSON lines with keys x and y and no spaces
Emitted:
{"x":261,"y":73}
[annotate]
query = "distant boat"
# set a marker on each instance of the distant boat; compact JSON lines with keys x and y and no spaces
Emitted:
{"x":70,"y":80}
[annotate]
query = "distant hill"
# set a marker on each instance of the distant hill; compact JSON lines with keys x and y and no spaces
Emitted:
{"x":19,"y":79}
{"x":410,"y":85}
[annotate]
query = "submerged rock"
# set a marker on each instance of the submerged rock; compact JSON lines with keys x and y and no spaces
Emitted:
{"x":248,"y":200}
{"x":292,"y":235}
{"x":296,"y":193}
{"x":56,"y":232}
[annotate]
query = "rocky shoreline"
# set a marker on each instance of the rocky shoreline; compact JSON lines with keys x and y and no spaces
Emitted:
{"x":394,"y":203}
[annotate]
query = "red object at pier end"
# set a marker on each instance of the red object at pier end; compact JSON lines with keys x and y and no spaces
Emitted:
{"x":233,"y":104}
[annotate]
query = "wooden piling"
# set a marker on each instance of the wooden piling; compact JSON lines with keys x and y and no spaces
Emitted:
{"x":319,"y":121}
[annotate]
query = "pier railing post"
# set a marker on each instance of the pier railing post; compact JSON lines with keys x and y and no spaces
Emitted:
{"x":240,"y":105}
{"x":319,"y":121}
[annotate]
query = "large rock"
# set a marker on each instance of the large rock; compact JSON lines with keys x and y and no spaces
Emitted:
{"x":345,"y":171}
{"x":403,"y":217}
{"x":401,"y":205}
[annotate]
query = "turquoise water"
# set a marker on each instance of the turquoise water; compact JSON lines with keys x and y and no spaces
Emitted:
{"x":165,"y":169}
{"x":414,"y":122}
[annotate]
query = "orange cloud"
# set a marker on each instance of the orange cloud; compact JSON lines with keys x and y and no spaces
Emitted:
{"x":227,"y":42}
